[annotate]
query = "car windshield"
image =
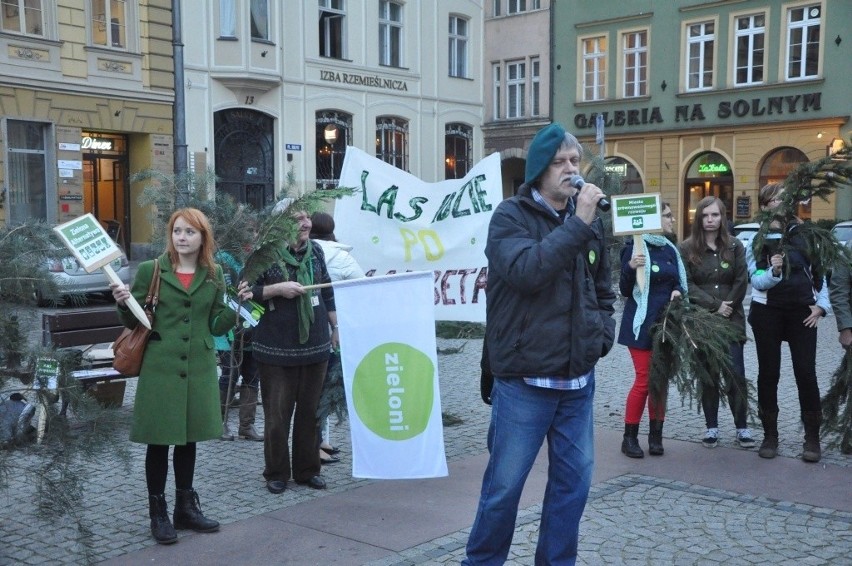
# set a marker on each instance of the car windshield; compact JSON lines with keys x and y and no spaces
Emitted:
{"x":843,"y":233}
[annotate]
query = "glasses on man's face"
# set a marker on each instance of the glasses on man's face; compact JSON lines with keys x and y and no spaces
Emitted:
{"x":667,"y":215}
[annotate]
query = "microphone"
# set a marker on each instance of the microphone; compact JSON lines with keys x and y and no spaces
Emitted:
{"x":577,"y":182}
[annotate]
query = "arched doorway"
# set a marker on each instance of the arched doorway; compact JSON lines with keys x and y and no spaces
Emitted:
{"x":777,"y":165}
{"x":709,"y":174}
{"x":245,"y":160}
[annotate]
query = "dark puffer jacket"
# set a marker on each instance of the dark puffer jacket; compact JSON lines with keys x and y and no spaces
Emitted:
{"x":550,"y":297}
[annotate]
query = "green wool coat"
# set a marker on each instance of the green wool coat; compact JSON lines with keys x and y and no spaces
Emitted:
{"x":177,"y":395}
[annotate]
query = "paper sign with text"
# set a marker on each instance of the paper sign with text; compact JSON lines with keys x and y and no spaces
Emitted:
{"x":88,"y":241}
{"x":636,"y":214}
{"x":398,"y":223}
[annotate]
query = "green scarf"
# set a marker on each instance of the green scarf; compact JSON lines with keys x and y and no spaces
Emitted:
{"x":304,"y":276}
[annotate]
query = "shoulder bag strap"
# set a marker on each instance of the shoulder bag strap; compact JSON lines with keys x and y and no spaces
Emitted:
{"x":153,"y":296}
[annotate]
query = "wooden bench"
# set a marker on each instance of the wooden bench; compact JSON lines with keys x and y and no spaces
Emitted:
{"x":88,"y":328}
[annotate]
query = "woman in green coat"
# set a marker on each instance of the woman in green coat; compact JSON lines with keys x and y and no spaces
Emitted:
{"x":177,"y":396}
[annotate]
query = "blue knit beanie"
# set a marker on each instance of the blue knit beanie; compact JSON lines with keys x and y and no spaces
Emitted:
{"x":544,"y":146}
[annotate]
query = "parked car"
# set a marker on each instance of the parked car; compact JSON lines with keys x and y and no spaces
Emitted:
{"x":746,"y":232}
{"x":72,"y":279}
{"x":843,"y":231}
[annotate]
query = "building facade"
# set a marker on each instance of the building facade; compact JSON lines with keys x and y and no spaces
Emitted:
{"x":86,"y":95}
{"x":708,"y":97}
{"x":270,"y":92}
{"x":516,"y":81}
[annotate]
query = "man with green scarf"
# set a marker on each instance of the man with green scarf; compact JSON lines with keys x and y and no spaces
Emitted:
{"x":292,"y":342}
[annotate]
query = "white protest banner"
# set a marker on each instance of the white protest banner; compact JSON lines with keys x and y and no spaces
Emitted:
{"x":398,"y":223}
{"x":390,"y":372}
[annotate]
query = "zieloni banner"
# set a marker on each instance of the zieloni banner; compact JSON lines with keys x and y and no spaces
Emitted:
{"x":390,"y":371}
{"x":398,"y":223}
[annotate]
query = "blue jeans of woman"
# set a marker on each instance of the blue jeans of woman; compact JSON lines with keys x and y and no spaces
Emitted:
{"x":522,"y":416}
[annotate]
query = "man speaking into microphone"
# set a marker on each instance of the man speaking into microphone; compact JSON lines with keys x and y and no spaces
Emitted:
{"x":548,"y":321}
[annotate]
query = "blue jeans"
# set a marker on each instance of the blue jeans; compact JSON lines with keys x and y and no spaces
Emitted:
{"x":522,"y":416}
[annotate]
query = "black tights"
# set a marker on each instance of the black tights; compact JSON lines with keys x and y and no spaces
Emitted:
{"x":157,"y":467}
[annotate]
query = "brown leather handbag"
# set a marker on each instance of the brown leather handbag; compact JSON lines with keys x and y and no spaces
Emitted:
{"x":129,"y":347}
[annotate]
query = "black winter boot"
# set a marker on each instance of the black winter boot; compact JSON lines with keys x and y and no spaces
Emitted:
{"x":188,"y":513}
{"x":811,"y":450}
{"x":630,"y":444}
{"x":655,"y":438}
{"x":769,"y":446}
{"x":161,"y":528}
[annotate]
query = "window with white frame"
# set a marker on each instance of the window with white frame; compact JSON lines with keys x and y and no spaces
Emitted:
{"x":700,"y":48}
{"x":496,"y":102}
{"x":496,"y":8}
{"x":109,"y":23}
{"x":516,"y":82}
{"x":749,"y":50}
{"x":458,"y":46}
{"x":390,"y":33}
{"x":392,"y":141}
{"x":594,"y":68}
{"x":535,"y":94}
{"x":458,"y":143}
{"x":518,"y":6}
{"x":803,"y":37}
{"x":332,"y":29}
{"x":227,"y":18}
{"x":27,"y":172}
{"x":22,"y":16}
{"x":259,"y":15}
{"x":635,"y":63}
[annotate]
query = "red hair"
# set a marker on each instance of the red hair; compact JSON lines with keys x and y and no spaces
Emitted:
{"x":199,"y":221}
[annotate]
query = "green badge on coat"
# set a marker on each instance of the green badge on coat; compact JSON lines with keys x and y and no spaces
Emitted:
{"x":655,"y":268}
{"x":592,"y":257}
{"x":725,"y":265}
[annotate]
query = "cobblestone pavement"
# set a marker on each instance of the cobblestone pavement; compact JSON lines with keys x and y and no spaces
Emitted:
{"x":630,"y":519}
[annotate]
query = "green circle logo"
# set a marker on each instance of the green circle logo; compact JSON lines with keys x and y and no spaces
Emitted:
{"x":592,"y":257}
{"x":725,"y":265}
{"x":655,"y":268}
{"x":393,"y":391}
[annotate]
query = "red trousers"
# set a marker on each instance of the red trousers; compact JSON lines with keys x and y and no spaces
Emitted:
{"x":639,"y":392}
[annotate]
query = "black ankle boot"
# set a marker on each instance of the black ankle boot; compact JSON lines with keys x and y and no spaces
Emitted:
{"x":161,"y":528}
{"x":655,"y":438}
{"x":188,"y":513}
{"x":811,"y":450}
{"x":630,"y":444}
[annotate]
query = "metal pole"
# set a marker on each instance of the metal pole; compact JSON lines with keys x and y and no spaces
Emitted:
{"x":180,"y":99}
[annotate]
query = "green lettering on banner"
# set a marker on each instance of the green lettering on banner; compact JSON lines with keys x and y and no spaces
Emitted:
{"x":393,"y":391}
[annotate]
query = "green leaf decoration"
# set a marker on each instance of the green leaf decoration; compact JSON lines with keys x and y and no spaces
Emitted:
{"x":837,"y":407}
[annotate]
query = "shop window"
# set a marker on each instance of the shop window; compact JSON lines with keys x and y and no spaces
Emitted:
{"x":27,"y":172}
{"x":390,"y":33}
{"x":458,"y":142}
{"x":332,"y":29}
{"x":631,"y":180}
{"x":777,"y":165}
{"x":109,"y":23}
{"x":392,"y":141}
{"x":709,"y":174}
{"x":22,"y":16}
{"x":333,"y":134}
